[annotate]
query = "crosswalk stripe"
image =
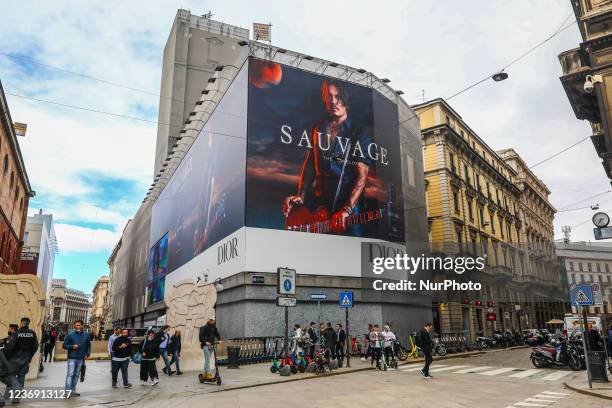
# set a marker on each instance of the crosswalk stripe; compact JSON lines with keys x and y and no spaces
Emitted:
{"x":555,"y":393}
{"x":472,"y":370}
{"x":549,"y":396}
{"x":416,"y":368}
{"x":438,"y":369}
{"x":526,"y":373}
{"x":529,"y":404}
{"x":498,"y":371}
{"x":556,"y":376}
{"x":540,"y":400}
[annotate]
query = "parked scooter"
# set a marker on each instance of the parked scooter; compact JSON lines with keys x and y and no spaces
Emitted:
{"x":559,"y":354}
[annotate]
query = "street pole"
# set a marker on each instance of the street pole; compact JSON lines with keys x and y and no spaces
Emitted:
{"x":348,"y":348}
{"x":319,"y":318}
{"x":286,"y":331}
{"x":585,"y":341}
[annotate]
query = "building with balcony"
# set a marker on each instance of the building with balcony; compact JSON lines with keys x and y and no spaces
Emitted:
{"x":588,"y":263}
{"x":591,"y":62}
{"x":488,"y":204}
{"x":66,"y":305}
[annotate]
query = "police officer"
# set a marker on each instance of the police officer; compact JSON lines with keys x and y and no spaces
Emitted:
{"x":25,"y":348}
{"x":7,"y":370}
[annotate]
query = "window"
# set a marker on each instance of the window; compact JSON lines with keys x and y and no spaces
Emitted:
{"x":501,"y":226}
{"x":607,"y":268}
{"x":456,"y":200}
{"x":598,"y":266}
{"x":481,"y":215}
{"x":573,"y":278}
{"x":462,"y":135}
{"x":452,"y":163}
{"x":447,"y":120}
{"x":591,"y":278}
{"x":579,"y":266}
{"x":26,"y":235}
{"x":492,"y":223}
{"x":470,"y":212}
{"x":582,"y":278}
{"x":589,"y":267}
{"x":467,"y":175}
{"x":488,"y":191}
{"x":571,"y":266}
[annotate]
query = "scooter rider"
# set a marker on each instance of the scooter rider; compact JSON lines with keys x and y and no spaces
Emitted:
{"x":208,"y":335}
{"x":25,"y":348}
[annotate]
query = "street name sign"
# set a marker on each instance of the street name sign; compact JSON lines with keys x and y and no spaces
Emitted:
{"x":286,"y":301}
{"x":318,"y":296}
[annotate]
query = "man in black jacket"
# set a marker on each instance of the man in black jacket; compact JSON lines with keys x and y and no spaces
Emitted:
{"x":330,"y":341}
{"x":208,"y":336}
{"x":175,"y":348}
{"x":122,"y":351}
{"x":8,"y":372}
{"x":425,"y":342}
{"x":25,"y":348}
{"x":312,"y":333}
{"x":340,"y":341}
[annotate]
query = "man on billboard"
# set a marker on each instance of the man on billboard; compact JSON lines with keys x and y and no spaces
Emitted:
{"x":331,"y":188}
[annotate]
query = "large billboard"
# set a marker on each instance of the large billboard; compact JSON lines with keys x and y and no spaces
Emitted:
{"x":204,"y":200}
{"x":323,"y":156}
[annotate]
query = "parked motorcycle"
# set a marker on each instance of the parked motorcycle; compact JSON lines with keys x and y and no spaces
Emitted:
{"x":547,"y":355}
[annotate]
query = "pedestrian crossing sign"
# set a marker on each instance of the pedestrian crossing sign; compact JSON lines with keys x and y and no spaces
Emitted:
{"x":582,"y":295}
{"x":346,"y":299}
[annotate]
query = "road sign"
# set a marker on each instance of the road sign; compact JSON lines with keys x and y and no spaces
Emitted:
{"x":597,"y":298}
{"x":318,"y":296}
{"x":346,"y":299}
{"x":286,"y":281}
{"x":602,"y":233}
{"x":490,"y":310}
{"x":506,"y":315}
{"x":286,"y":301}
{"x":582,"y":295}
{"x":491,"y":317}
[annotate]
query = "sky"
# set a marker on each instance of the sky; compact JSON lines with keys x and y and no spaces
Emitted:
{"x":91,"y":171}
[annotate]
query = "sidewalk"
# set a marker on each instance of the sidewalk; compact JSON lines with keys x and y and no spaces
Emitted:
{"x":97,"y":391}
{"x":579,"y":383}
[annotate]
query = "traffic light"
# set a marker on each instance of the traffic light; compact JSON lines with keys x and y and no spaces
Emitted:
{"x":491,"y":317}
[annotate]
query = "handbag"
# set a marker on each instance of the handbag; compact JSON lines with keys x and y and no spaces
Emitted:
{"x":137,"y":357}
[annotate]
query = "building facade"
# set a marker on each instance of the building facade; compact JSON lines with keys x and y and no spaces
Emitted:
{"x":587,"y":74}
{"x":588,"y":263}
{"x":478,"y":201}
{"x":39,"y":248}
{"x":195,"y":47}
{"x":16,"y":193}
{"x":97,"y":323}
{"x":66,"y":305}
{"x":204,"y":240}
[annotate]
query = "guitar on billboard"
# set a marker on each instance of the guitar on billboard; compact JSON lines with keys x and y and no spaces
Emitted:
{"x":301,"y":219}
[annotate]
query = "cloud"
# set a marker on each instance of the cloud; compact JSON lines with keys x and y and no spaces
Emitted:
{"x":73,"y":238}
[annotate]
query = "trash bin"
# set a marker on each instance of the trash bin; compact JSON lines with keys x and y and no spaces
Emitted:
{"x":597,"y":366}
{"x":233,"y":357}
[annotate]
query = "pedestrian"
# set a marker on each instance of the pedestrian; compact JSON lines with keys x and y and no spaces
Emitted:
{"x":594,"y":339}
{"x":149,"y":352}
{"x":25,"y":348}
{"x":111,"y":340}
{"x":389,"y":337}
{"x":78,"y":345}
{"x":163,"y":338}
{"x":175,"y":349}
{"x":367,"y":343}
{"x":209,"y":335}
{"x":425,"y":342}
{"x":312,"y":333}
{"x":8,"y":370}
{"x":329,"y":335}
{"x":49,"y":344}
{"x":122,"y":351}
{"x":340,"y":341}
{"x":297,"y":344}
{"x":375,"y":350}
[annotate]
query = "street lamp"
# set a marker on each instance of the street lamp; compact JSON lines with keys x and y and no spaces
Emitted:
{"x":500,"y":76}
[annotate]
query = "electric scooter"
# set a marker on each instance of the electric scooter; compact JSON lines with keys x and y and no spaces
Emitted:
{"x":216,"y":379}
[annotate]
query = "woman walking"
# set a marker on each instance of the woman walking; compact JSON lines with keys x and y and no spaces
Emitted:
{"x":149,"y":351}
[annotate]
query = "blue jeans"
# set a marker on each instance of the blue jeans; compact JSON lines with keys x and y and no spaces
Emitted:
{"x":74,"y":372}
{"x":164,"y":354}
{"x":207,"y":356}
{"x":175,"y":360}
